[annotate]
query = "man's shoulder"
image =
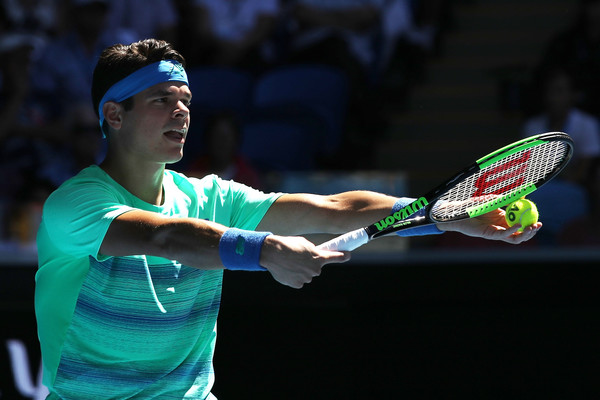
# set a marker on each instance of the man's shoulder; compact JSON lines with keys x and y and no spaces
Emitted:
{"x":88,"y":181}
{"x":91,"y":174}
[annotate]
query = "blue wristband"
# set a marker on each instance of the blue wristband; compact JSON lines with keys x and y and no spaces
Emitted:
{"x":418,"y":231}
{"x":240,"y":249}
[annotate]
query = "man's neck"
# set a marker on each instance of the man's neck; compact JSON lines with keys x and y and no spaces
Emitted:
{"x":144,"y":183}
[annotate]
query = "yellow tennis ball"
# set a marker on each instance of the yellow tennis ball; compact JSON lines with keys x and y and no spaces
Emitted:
{"x":522,"y":211}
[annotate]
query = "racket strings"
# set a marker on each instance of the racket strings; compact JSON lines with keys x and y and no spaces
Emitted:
{"x":505,"y":177}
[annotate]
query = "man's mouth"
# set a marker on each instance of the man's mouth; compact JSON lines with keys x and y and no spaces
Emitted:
{"x":177,"y":135}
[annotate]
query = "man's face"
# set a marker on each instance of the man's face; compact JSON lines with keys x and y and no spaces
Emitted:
{"x":156,"y":127}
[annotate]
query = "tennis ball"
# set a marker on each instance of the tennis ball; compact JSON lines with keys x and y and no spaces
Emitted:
{"x":522,"y":211}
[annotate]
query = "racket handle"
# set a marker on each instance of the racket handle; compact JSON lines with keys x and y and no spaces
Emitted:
{"x":346,"y":242}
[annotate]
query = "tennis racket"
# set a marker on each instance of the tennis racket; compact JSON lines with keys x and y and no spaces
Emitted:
{"x":491,"y":182}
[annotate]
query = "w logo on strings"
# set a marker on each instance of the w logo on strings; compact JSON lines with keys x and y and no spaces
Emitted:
{"x":509,"y":174}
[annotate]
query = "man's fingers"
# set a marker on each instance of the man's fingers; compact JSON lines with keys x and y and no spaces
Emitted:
{"x":334,"y":256}
{"x":520,"y":237}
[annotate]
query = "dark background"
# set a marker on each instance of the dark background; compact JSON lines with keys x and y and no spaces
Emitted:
{"x":425,"y":326}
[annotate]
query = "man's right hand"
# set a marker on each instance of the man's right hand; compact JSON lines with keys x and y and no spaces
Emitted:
{"x":294,"y":260}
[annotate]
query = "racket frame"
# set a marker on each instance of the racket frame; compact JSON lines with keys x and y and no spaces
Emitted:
{"x":405,"y":218}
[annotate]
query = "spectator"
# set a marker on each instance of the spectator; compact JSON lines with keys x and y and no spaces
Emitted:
{"x":583,"y":231}
{"x":68,"y":62}
{"x":24,"y":136}
{"x":411,"y":34}
{"x":346,"y":35}
{"x":221,"y":156}
{"x":233,"y":33}
{"x":145,"y":19}
{"x":33,"y":149}
{"x":42,"y":18}
{"x":340,"y":32}
{"x":15,"y":52}
{"x":559,"y":113}
{"x":35,"y":125}
{"x":25,"y":214}
{"x":81,"y":147}
{"x":578,"y":49}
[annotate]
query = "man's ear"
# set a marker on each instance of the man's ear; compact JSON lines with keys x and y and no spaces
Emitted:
{"x":113,"y":114}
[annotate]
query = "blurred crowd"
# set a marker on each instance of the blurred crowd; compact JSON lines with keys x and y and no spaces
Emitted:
{"x":563,"y":95}
{"x":48,"y":50}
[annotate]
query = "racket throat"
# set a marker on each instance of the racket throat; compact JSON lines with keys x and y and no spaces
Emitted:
{"x":406,"y":224}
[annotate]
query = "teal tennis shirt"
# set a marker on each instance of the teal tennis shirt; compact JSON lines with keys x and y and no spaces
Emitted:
{"x":136,"y":327}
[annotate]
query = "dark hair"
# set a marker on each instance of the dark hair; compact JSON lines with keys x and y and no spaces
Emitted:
{"x":119,"y":61}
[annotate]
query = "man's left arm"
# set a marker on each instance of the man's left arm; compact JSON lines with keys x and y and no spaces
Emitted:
{"x":301,"y":214}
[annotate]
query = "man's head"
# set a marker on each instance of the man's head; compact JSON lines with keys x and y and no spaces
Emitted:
{"x":120,"y":61}
{"x":141,"y":96}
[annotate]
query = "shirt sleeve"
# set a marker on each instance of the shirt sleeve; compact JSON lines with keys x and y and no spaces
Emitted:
{"x":77,"y":217}
{"x":249,"y":205}
{"x":233,"y":204}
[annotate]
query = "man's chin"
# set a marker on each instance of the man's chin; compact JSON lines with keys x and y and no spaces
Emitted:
{"x":175,"y":159}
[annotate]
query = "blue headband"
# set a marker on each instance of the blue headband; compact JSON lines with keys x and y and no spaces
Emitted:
{"x":142,"y":79}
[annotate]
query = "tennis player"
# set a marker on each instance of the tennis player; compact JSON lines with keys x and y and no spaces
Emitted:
{"x":131,"y":254}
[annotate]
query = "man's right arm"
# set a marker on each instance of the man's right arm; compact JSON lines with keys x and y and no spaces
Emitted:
{"x":193,"y":242}
{"x":292,"y":261}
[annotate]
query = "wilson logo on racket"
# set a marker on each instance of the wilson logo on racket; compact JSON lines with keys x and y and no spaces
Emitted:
{"x":403,"y":213}
{"x":503,"y":175}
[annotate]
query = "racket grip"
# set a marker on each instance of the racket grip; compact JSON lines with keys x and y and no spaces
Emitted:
{"x":346,"y":242}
